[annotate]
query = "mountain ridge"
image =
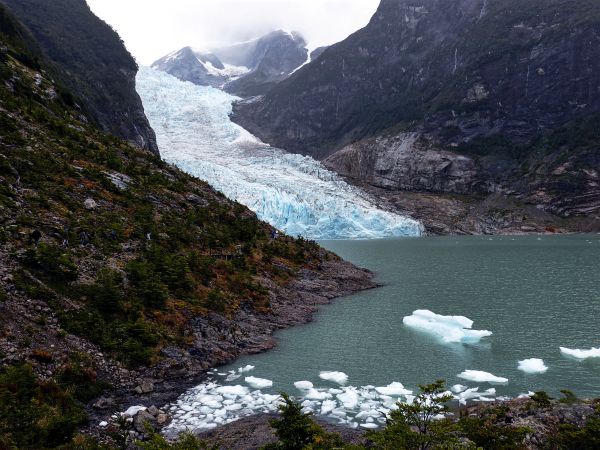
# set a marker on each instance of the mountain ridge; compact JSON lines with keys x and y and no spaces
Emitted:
{"x":254,"y":66}
{"x":508,"y":89}
{"x":87,"y":53}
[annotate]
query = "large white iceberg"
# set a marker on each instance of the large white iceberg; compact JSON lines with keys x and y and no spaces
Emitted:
{"x":294,"y":193}
{"x":532,"y":365}
{"x":581,"y":354}
{"x":479,"y":376}
{"x":447,"y":328}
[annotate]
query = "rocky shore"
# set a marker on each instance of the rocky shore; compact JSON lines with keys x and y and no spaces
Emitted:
{"x":219,"y":340}
{"x":542,"y":422}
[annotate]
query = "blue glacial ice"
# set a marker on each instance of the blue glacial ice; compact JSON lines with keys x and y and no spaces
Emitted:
{"x":294,"y":193}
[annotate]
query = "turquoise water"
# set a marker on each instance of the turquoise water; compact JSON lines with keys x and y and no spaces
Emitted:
{"x":535,"y":294}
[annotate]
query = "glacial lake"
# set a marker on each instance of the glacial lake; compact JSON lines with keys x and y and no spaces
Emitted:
{"x":535,"y":294}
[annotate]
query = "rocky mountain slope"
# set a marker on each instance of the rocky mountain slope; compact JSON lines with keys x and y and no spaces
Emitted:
{"x":272,"y":58}
{"x":87,"y":56}
{"x":246,"y":69}
{"x":119,"y":272}
{"x":472,"y":98}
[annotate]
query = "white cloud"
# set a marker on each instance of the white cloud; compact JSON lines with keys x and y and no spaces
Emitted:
{"x":152,"y":28}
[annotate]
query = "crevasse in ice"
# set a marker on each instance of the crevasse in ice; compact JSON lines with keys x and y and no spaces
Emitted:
{"x":294,"y":193}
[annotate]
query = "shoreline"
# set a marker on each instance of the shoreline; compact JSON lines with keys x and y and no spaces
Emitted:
{"x":253,"y":432}
{"x":219,"y":341}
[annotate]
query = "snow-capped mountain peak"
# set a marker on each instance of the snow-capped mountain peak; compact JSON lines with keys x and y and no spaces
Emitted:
{"x":246,"y":68}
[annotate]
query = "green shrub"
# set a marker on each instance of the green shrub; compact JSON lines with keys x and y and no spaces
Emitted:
{"x":80,"y":378}
{"x":146,"y":284}
{"x":297,"y":430}
{"x":542,"y":399}
{"x":185,"y":441}
{"x":52,"y":261}
{"x":35,"y":414}
{"x":106,"y":294}
{"x":490,"y":436}
{"x":569,"y":397}
{"x":572,"y":437}
{"x":415,"y":425}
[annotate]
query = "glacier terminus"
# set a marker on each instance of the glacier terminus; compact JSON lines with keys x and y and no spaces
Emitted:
{"x":293,"y":193}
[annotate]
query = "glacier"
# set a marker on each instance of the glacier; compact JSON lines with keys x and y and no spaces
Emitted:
{"x":294,"y":193}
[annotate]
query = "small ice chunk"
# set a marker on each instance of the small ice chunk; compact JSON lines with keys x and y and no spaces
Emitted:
{"x":314,"y":394}
{"x":394,"y":389}
{"x":458,"y":388}
{"x":349,"y":398}
{"x":303,"y":385}
{"x":133,"y":410}
{"x":370,"y":426}
{"x":448,"y":328}
{"x":478,"y":376}
{"x":232,"y":390}
{"x":581,"y":354}
{"x":327,"y":406}
{"x":532,"y":365}
{"x":529,"y":394}
{"x":258,"y":383}
{"x":336,"y":377}
{"x":103,"y":424}
{"x":245,"y":369}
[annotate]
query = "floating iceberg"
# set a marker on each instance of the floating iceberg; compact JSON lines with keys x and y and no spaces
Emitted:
{"x":303,"y":385}
{"x":393,"y":390}
{"x":448,"y":328}
{"x":294,"y":193}
{"x":258,"y":383}
{"x":581,"y":354}
{"x":458,"y":388}
{"x":336,"y":377}
{"x":532,"y":365}
{"x":479,"y":376}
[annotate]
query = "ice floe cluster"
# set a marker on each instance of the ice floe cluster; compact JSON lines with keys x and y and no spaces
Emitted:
{"x":447,"y":328}
{"x":294,"y":193}
{"x":212,"y":404}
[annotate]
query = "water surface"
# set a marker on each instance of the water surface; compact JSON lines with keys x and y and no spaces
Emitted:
{"x":535,"y":294}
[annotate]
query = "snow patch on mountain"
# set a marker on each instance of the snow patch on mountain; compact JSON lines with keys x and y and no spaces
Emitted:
{"x":294,"y":193}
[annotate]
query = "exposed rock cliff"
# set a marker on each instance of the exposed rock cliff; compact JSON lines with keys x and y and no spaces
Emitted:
{"x":88,"y":57}
{"x":463,"y":96}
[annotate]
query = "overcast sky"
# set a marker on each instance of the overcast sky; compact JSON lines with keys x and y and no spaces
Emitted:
{"x":153,"y":28}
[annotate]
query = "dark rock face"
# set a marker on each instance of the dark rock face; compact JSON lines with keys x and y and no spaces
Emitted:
{"x":92,"y":62}
{"x":317,"y":52}
{"x":247,"y":69}
{"x":466,"y":67}
{"x":186,"y":64}
{"x":402,"y":162}
{"x":496,"y":96}
{"x":272,"y":58}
